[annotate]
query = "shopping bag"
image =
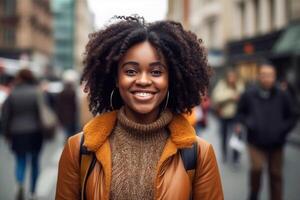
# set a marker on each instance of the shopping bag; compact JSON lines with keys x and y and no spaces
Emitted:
{"x":236,"y":143}
{"x":47,"y":117}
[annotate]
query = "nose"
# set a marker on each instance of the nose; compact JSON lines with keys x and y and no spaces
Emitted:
{"x":143,"y":79}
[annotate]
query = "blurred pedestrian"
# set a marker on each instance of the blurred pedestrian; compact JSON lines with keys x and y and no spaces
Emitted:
{"x":267,"y":113}
{"x":203,"y":121}
{"x":140,"y":78}
{"x":198,"y":117}
{"x":67,"y":108}
{"x":22,"y":128}
{"x":5,"y":87}
{"x":286,"y":86}
{"x":85,"y":114}
{"x":225,"y":97}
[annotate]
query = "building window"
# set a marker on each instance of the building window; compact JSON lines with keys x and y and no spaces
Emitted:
{"x":9,"y":7}
{"x":241,"y":6}
{"x":212,"y":33}
{"x":8,"y":36}
{"x":257,"y":15}
{"x":272,"y":14}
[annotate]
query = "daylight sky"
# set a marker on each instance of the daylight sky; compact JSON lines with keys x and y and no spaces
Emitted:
{"x":151,"y":10}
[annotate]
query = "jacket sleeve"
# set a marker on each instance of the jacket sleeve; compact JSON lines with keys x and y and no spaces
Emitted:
{"x":289,"y":112}
{"x":6,"y":116}
{"x":68,"y":181}
{"x":221,"y":95}
{"x":207,"y":183}
{"x":242,"y":109}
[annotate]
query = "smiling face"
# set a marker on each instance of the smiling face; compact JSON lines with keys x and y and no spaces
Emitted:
{"x":143,"y":82}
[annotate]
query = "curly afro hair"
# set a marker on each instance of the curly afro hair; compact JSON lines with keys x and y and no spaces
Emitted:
{"x":184,"y":54}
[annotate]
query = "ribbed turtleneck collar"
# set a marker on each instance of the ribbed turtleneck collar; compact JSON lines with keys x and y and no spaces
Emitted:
{"x":133,"y":127}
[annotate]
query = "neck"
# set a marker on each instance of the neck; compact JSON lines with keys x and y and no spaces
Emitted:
{"x":265,"y":88}
{"x":140,"y":117}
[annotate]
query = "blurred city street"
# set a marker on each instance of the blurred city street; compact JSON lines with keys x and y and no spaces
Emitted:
{"x":234,"y":178}
{"x":58,"y":56}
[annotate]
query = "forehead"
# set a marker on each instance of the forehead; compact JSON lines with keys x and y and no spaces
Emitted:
{"x":141,"y":51}
{"x":231,"y":74}
{"x":266,"y":69}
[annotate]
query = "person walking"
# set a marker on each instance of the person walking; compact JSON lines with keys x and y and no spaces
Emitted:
{"x":267,"y":113}
{"x":225,"y":97}
{"x":67,"y":108}
{"x":141,"y":77}
{"x":22,"y":128}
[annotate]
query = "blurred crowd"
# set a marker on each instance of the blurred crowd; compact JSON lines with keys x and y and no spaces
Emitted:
{"x":32,"y":111}
{"x":256,"y":116}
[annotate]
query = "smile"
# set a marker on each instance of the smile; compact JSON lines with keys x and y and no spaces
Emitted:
{"x":143,"y":95}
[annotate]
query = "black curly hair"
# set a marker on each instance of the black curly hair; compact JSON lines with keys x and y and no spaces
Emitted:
{"x":184,"y":54}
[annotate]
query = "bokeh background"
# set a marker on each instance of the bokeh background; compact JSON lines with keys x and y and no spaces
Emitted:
{"x":49,"y":37}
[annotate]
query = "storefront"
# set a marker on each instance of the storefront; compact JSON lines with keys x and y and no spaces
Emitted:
{"x":245,"y":54}
{"x":286,"y":55}
{"x":282,"y":48}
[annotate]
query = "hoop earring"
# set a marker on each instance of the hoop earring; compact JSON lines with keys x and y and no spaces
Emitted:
{"x":167,"y":101}
{"x":111,"y":98}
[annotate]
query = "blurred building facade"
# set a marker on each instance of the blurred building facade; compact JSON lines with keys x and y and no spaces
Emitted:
{"x":26,"y":32}
{"x":257,"y":31}
{"x":179,"y":10}
{"x":84,"y":26}
{"x":237,"y":33}
{"x":64,"y":33}
{"x":72,"y":24}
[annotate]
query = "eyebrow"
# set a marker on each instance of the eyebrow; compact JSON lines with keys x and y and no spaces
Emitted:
{"x":158,"y":63}
{"x":153,"y":64}
{"x":129,"y":62}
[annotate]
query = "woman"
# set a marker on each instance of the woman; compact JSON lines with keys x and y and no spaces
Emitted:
{"x":22,"y":128}
{"x":140,"y":78}
{"x":226,"y":95}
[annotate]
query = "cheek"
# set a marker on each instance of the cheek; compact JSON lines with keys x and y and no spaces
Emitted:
{"x":122,"y":84}
{"x":164,"y":87}
{"x":122,"y":81}
{"x":165,"y":82}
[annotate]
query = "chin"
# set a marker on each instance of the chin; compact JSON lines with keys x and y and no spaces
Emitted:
{"x":144,"y":109}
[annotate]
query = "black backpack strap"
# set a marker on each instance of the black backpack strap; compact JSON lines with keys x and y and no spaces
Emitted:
{"x":87,"y":163}
{"x":189,"y":158}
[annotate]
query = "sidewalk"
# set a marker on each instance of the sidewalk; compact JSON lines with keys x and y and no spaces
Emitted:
{"x":235,"y":179}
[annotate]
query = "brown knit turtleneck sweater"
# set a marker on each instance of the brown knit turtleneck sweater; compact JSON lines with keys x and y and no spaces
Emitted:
{"x":136,"y":149}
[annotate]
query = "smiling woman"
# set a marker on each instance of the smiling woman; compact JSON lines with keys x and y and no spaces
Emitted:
{"x":140,"y":78}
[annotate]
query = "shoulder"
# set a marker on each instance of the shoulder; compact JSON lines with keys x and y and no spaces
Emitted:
{"x":74,"y":141}
{"x":203,"y":144}
{"x":72,"y":147}
{"x":205,"y":151}
{"x":250,"y":91}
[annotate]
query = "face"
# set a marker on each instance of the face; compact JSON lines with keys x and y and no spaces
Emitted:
{"x":142,"y":81}
{"x":267,"y":76}
{"x":231,"y":78}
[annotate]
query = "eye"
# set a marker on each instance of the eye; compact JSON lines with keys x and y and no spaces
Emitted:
{"x":130,"y":72}
{"x":156,"y":73}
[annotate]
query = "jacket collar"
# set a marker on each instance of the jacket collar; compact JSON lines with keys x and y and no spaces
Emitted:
{"x":97,"y":131}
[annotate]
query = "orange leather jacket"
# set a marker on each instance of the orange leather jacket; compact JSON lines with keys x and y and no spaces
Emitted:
{"x":172,"y":180}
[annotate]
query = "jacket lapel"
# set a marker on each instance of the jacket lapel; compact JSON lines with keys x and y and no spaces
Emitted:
{"x":182,"y":136}
{"x":96,"y":134}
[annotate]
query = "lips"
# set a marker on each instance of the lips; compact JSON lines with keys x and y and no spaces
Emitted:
{"x":143,"y":95}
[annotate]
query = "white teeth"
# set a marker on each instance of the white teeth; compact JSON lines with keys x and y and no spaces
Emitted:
{"x":143,"y":94}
